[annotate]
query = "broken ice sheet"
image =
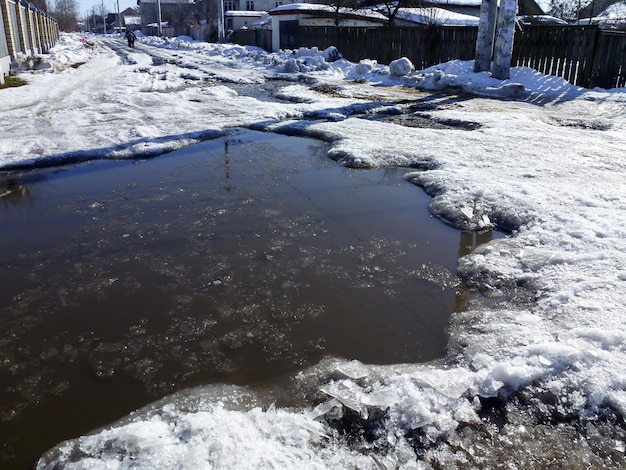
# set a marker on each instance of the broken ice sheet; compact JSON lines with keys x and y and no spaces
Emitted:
{"x":353,"y":369}
{"x":349,"y":394}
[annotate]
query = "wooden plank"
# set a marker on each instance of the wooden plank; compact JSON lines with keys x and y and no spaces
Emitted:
{"x":568,"y":65}
{"x":588,"y":52}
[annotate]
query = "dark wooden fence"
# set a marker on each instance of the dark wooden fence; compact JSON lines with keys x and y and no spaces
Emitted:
{"x":253,"y":37}
{"x":561,"y":51}
{"x":424,"y":46}
{"x":609,"y":67}
{"x":583,"y":55}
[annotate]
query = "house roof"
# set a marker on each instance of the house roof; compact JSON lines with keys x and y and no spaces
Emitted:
{"x":437,"y":16}
{"x":130,"y":12}
{"x":530,"y":7}
{"x":245,"y":13}
{"x":456,"y":3}
{"x":616,"y":11}
{"x":417,"y":15}
{"x":139,"y":2}
{"x":612,"y":16}
{"x":315,"y":9}
{"x":526,"y":7}
{"x":130,"y":16}
{"x":594,"y":8}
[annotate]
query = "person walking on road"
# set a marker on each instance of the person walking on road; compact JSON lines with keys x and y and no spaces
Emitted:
{"x":130,"y":36}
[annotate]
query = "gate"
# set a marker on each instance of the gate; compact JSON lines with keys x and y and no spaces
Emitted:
{"x":288,"y":34}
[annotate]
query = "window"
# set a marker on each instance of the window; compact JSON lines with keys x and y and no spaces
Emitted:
{"x":277,"y":4}
{"x":250,"y":5}
{"x":229,"y":5}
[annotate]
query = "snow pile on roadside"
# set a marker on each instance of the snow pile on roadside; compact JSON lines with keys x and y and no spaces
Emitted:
{"x":453,"y":74}
{"x":71,"y":50}
{"x":126,"y":109}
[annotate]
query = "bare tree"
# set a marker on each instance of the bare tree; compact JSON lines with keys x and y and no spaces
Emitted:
{"x":41,"y":4}
{"x":565,"y":9}
{"x":340,"y":6}
{"x":181,"y":16}
{"x":94,"y":21}
{"x":571,"y":10}
{"x":66,"y":13}
{"x":209,"y":11}
{"x":390,"y":8}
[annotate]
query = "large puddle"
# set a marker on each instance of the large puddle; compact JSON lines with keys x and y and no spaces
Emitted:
{"x":241,"y":260}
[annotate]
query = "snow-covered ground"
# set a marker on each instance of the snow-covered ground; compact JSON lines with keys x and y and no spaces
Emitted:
{"x":536,"y":370}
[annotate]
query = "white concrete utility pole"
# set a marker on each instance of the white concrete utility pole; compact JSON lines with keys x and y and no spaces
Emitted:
{"x":494,"y":44}
{"x":220,"y":22}
{"x":160,"y":18}
{"x":505,"y":31}
{"x":484,"y":41}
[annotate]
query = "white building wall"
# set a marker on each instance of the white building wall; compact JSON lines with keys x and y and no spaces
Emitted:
{"x":257,"y":5}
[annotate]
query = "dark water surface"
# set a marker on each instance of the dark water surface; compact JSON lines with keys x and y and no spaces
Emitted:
{"x":240,"y":260}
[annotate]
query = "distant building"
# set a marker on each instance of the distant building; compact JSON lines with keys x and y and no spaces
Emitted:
{"x":237,"y":19}
{"x":286,"y":20}
{"x":180,"y":15}
{"x":127,"y":19}
{"x":242,"y":14}
{"x":174,"y":13}
{"x":131,"y":19}
{"x":254,"y":5}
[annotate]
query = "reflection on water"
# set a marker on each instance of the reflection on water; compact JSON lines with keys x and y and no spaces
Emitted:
{"x":14,"y":193}
{"x":241,"y":260}
{"x":467,"y":242}
{"x":470,"y":240}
